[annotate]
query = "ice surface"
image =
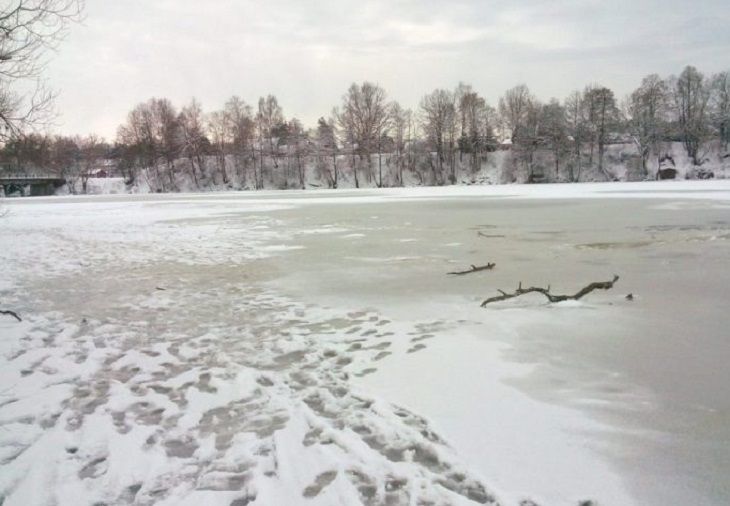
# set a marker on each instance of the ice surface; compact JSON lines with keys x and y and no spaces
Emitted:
{"x":308,"y":348}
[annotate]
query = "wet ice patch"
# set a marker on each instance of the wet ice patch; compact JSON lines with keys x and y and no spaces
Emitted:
{"x":277,"y":248}
{"x":391,"y":259}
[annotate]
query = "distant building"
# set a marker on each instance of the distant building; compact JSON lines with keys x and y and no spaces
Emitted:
{"x":667,"y":169}
{"x":105,"y":168}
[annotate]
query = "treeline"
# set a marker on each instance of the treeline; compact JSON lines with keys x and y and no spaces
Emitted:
{"x":368,"y":139}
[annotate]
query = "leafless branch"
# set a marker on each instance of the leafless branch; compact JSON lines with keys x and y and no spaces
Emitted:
{"x":28,"y":30}
{"x":474,"y":268}
{"x":11,"y":313}
{"x":598,"y":285}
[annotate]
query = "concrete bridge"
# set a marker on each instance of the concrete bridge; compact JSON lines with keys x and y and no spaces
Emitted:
{"x":30,"y":184}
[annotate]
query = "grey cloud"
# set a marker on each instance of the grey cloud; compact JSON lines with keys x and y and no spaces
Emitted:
{"x":307,"y":52}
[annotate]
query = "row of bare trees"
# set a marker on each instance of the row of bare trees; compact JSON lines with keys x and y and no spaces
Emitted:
{"x":451,"y":131}
{"x":74,"y":158}
{"x":457,"y":124}
{"x":237,"y":138}
{"x":690,"y":108}
{"x":258,"y":144}
{"x":369,"y":139}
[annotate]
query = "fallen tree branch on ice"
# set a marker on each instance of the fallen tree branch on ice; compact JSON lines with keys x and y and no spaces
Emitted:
{"x":489,"y":236}
{"x":598,"y":285}
{"x":474,"y":268}
{"x":11,"y":313}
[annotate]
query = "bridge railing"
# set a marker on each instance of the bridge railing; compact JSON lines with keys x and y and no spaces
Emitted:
{"x":4,"y":175}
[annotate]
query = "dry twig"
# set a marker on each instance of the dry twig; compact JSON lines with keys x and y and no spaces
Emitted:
{"x":474,"y":268}
{"x":11,"y":313}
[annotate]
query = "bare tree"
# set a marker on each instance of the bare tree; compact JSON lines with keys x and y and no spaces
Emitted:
{"x":721,"y":106}
{"x":573,"y":106}
{"x":242,"y":132}
{"x":65,"y":158}
{"x":327,"y":144}
{"x":137,"y":134}
{"x":588,"y":103}
{"x":91,"y":149}
{"x":153,"y":135}
{"x":460,"y":92}
{"x":438,"y":116}
{"x":490,"y":123}
{"x":269,"y":116}
{"x":521,"y":114}
{"x":602,"y":118}
{"x":346,"y":126}
{"x":399,"y":119}
{"x":29,"y":152}
{"x":297,"y":143}
{"x":28,"y":29}
{"x":364,"y":117}
{"x":167,"y":136}
{"x":476,"y":118}
{"x":691,"y":93}
{"x":530,"y":138}
{"x":555,"y":131}
{"x":645,"y":111}
{"x":513,"y":110}
{"x":382,"y":131}
{"x":192,"y":138}
{"x":411,"y":140}
{"x":218,"y":129}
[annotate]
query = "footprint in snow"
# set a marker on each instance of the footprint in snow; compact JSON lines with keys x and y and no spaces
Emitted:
{"x":320,"y":483}
{"x":416,"y":348}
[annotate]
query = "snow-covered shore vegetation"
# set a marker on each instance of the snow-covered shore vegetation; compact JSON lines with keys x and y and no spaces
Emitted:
{"x":680,"y":123}
{"x":499,"y":167}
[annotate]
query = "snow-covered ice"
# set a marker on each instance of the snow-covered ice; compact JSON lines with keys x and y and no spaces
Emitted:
{"x":308,"y":348}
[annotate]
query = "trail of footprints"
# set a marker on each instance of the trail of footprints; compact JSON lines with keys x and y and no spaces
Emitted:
{"x":387,"y":454}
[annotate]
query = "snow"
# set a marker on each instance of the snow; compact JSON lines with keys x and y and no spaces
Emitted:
{"x":307,"y":348}
{"x":502,"y":423}
{"x":621,"y":162}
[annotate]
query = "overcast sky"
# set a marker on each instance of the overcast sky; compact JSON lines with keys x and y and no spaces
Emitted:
{"x":308,"y":52}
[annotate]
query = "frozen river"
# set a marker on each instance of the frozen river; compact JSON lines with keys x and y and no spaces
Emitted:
{"x":308,"y":347}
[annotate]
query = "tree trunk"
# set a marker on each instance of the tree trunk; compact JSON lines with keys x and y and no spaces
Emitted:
{"x":240,"y":168}
{"x":575,"y":173}
{"x":171,"y":175}
{"x":260,"y":181}
{"x":159,"y":180}
{"x":354,"y":169}
{"x":380,"y":169}
{"x":193,"y":172}
{"x":590,"y":158}
{"x":222,"y":168}
{"x":400,"y":170}
{"x":273,"y":156}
